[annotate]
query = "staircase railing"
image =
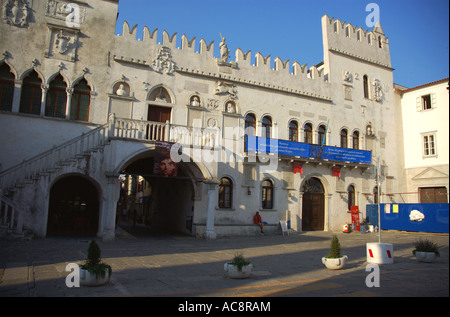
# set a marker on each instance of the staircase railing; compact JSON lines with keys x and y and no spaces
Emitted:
{"x":31,"y":168}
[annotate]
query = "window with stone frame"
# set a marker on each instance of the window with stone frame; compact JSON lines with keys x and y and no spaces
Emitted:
{"x":293,"y":131}
{"x":31,"y":94}
{"x":267,"y":194}
{"x":55,"y":105}
{"x":225,"y":193}
{"x":81,"y":100}
{"x":6,"y":88}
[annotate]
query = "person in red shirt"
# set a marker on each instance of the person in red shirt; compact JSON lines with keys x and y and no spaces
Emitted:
{"x":258,"y":221}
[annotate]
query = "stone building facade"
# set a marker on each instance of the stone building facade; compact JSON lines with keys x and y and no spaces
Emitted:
{"x":83,"y":112}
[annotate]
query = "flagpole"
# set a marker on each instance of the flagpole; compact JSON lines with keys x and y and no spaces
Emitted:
{"x":378,"y":200}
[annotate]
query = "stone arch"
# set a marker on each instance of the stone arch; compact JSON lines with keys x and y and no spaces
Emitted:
{"x":323,"y":195}
{"x":74,"y":204}
{"x":53,"y":76}
{"x":28,"y":72}
{"x":171,"y":203}
{"x":153,"y":94}
{"x":11,"y":67}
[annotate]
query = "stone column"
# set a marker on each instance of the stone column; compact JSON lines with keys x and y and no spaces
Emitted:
{"x":16,"y":97}
{"x":69,"y":92}
{"x":44,"y":99}
{"x":109,"y":206}
{"x":210,"y":233}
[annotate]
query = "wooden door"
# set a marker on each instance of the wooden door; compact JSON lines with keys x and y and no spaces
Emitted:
{"x":313,"y":208}
{"x":158,"y":114}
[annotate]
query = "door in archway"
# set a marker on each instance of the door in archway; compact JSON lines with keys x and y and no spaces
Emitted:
{"x":73,"y":207}
{"x":313,"y":208}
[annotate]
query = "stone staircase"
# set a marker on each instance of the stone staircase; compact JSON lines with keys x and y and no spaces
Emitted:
{"x":64,"y":157}
{"x":44,"y":164}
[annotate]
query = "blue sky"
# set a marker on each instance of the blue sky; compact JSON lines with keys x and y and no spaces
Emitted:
{"x":418,"y":31}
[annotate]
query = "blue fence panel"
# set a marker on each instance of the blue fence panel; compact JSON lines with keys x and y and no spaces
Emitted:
{"x":397,"y":217}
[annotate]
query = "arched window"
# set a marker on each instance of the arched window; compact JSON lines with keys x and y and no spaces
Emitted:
{"x":225,"y":192}
{"x":351,"y":196}
{"x":250,"y":127}
{"x":81,"y":100}
{"x":307,"y":133}
{"x":55,"y":105}
{"x":366,"y":86}
{"x":267,"y":194}
{"x":355,"y":138}
{"x":321,"y":135}
{"x":293,"y":131}
{"x":380,"y":42}
{"x":31,"y":96}
{"x":6,"y":88}
{"x":266,"y":127}
{"x":344,"y":143}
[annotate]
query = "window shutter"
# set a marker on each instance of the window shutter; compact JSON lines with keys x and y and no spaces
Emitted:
{"x":419,"y":104}
{"x":433,"y":101}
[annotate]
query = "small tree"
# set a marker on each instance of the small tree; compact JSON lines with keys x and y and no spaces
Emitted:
{"x":335,"y":248}
{"x":93,"y":261}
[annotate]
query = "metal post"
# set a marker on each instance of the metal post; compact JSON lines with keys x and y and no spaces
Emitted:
{"x":379,"y":198}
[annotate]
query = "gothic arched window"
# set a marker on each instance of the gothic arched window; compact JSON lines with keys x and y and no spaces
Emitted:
{"x":31,"y":95}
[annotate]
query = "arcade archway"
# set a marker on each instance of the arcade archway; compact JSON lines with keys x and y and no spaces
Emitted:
{"x":153,"y":201}
{"x":73,"y":207}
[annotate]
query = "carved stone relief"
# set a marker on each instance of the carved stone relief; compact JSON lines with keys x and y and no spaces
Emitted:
{"x":73,"y":14}
{"x":62,"y":44}
{"x":348,"y":77}
{"x":163,"y":63}
{"x":224,"y":88}
{"x":213,"y":104}
{"x":16,"y":12}
{"x":377,"y":91}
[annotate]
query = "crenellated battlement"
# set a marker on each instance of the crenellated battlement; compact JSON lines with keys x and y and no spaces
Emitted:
{"x":257,"y":70}
{"x":344,"y":38}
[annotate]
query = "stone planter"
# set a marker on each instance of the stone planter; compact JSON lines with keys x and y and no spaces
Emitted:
{"x":233,"y":271}
{"x":335,"y":263}
{"x":90,"y":279}
{"x":428,"y":257}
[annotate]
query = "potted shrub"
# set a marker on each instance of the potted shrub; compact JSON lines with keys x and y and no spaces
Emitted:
{"x":94,"y":272}
{"x":334,"y":260}
{"x":426,"y":250}
{"x":239,"y":267}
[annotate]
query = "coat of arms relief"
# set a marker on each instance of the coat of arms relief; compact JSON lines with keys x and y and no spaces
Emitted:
{"x":16,"y":12}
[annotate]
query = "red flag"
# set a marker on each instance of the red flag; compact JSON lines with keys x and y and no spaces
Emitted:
{"x":298,"y":168}
{"x":336,"y":171}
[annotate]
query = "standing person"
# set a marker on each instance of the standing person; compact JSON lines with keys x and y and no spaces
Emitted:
{"x":258,"y":221}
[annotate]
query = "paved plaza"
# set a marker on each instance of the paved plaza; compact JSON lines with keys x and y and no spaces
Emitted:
{"x":152,"y":264}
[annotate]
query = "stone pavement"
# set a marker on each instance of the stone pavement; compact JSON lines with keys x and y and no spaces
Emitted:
{"x":147,"y":263}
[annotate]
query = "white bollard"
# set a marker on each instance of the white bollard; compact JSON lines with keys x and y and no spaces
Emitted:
{"x":380,"y":253}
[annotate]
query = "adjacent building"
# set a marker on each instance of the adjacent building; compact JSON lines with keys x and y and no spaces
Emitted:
{"x":425,"y":134}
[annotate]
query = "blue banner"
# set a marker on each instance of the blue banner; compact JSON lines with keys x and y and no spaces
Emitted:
{"x":289,"y":148}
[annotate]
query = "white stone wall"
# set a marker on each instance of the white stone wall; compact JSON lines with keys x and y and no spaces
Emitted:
{"x":331,"y":92}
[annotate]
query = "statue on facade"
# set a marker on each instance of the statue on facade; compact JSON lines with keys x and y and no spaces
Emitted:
{"x":224,"y":51}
